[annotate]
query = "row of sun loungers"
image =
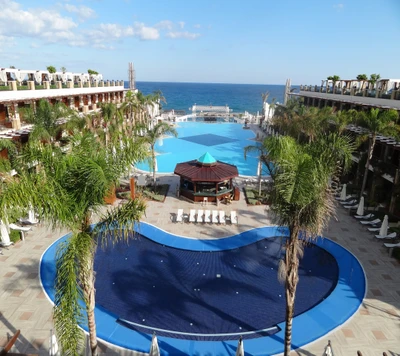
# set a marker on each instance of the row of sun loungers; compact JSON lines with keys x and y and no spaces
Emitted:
{"x":207,"y":216}
{"x":374,"y":224}
{"x":381,"y":227}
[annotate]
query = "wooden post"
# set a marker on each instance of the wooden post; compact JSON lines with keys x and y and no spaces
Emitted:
{"x":132,"y":186}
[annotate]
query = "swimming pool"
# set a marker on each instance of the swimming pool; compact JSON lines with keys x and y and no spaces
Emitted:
{"x":224,"y":141}
{"x":143,"y":286}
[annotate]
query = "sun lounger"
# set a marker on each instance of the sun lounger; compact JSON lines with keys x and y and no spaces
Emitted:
{"x":350,"y":202}
{"x":391,"y":245}
{"x":234,"y":218}
{"x":20,"y":228}
{"x":391,"y":236}
{"x":348,"y":197}
{"x":372,"y":222}
{"x":207,"y":216}
{"x":368,"y":216}
{"x":373,"y":229}
{"x":179,"y":216}
{"x":215,"y":217}
{"x":192,"y":215}
{"x":222,"y":219}
{"x":350,"y":206}
{"x":200,"y":216}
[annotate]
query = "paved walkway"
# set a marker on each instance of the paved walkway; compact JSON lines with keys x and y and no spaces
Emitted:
{"x":374,"y":329}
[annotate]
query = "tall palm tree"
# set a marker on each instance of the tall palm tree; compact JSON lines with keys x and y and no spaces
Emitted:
{"x":46,"y":120}
{"x":376,"y":121}
{"x":334,"y":79}
{"x":363,"y":79}
{"x":373,"y":79}
{"x":344,"y":118}
{"x":83,"y":178}
{"x":131,"y":107}
{"x":151,"y":137}
{"x":302,"y":200}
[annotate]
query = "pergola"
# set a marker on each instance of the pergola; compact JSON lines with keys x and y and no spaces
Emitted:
{"x":206,"y":178}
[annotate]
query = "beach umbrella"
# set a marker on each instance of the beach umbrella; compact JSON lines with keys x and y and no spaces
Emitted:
{"x":343,"y":192}
{"x":240,"y":348}
{"x":4,"y":235}
{"x":54,"y":350}
{"x":384,"y":227}
{"x":328,"y":350}
{"x":154,"y":349}
{"x":360,"y":210}
{"x":259,"y":169}
{"x":155,"y":164}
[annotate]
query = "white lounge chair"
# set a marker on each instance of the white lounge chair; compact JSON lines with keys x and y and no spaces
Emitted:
{"x":350,"y":206}
{"x":372,"y":222}
{"x":373,"y":229}
{"x":368,"y":216}
{"x":21,"y":229}
{"x":215,"y":217}
{"x":391,"y":245}
{"x":179,"y":216}
{"x":347,"y":197}
{"x":200,"y":216}
{"x":234,"y":218}
{"x":222,"y":219}
{"x":349,"y":202}
{"x":391,"y":236}
{"x":207,"y":216}
{"x":192,"y":215}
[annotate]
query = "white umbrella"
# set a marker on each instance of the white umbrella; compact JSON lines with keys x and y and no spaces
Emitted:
{"x":54,"y":350}
{"x":32,"y":216}
{"x":240,"y":348}
{"x":259,"y":169}
{"x":154,"y":349}
{"x":343,"y":192}
{"x":5,"y":237}
{"x":360,"y":210}
{"x":155,"y":164}
{"x":328,"y":350}
{"x":384,"y":227}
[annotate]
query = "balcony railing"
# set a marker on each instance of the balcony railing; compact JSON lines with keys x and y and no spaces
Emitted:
{"x":390,"y":94}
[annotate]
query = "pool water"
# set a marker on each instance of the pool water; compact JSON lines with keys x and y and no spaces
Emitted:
{"x":224,"y":141}
{"x":191,"y":294}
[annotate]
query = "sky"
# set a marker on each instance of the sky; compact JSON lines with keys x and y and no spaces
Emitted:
{"x":211,"y":41}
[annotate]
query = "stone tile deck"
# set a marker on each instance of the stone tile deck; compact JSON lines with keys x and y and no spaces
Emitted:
{"x":375,"y":327}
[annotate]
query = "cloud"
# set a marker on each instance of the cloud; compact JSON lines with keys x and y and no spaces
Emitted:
{"x":197,"y":25}
{"x":186,"y":35}
{"x":165,"y":25}
{"x":54,"y":25}
{"x":41,"y":23}
{"x":82,"y":11}
{"x":338,"y":7}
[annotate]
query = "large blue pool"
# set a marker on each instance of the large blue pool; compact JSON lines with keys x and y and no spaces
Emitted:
{"x":224,"y":141}
{"x":200,"y":296}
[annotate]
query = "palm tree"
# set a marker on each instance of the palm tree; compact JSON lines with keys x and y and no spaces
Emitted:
{"x":376,"y":121}
{"x":46,"y":120}
{"x":363,"y":79}
{"x":334,"y":79}
{"x":131,"y":107}
{"x":302,"y":200}
{"x":151,"y":137}
{"x":83,"y":178}
{"x":373,"y":79}
{"x":343,"y":118}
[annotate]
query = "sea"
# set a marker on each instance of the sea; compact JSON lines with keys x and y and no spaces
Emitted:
{"x":239,"y":97}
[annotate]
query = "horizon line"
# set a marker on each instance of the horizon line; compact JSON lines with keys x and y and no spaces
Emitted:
{"x":153,"y":81}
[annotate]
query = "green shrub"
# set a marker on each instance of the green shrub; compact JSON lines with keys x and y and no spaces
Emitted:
{"x":159,"y":194}
{"x":252,"y":201}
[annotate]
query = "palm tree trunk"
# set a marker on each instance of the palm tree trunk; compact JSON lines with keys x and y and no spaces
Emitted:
{"x":90,"y":313}
{"x":154,"y":166}
{"x":370,"y":151}
{"x":292,"y":267}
